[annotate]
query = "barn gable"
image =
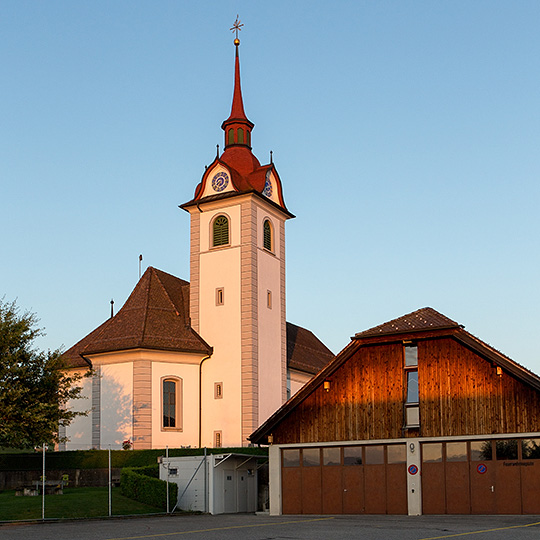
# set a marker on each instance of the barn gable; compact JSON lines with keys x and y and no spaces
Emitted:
{"x":465,"y":387}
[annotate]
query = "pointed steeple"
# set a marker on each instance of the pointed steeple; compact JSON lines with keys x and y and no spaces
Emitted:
{"x":237,"y":127}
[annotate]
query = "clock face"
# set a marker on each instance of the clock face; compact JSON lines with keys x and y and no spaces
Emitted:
{"x":267,"y":191}
{"x":220,"y":181}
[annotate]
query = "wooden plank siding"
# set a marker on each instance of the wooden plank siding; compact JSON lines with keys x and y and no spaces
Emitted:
{"x":365,"y":401}
{"x":460,"y":394}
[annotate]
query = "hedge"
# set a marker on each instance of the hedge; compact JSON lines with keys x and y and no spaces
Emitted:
{"x":136,"y":484}
{"x":99,"y":459}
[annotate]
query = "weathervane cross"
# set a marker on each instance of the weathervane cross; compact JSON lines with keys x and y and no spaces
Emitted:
{"x":236,"y":27}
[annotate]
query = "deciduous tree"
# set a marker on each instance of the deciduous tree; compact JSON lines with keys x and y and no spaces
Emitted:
{"x":34,"y":386}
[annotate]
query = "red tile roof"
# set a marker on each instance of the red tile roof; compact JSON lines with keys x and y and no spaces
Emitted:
{"x":305,"y":351}
{"x":156,"y":316}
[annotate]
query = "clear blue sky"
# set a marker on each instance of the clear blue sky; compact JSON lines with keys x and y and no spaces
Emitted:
{"x":406,"y":134}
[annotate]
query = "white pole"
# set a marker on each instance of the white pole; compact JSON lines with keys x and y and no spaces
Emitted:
{"x":43,"y":487}
{"x":110,"y":482}
{"x":167,"y":456}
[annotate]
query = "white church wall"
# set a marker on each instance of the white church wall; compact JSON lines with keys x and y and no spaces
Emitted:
{"x":220,"y":325}
{"x":79,"y":432}
{"x":188,"y":434}
{"x":116,"y":404}
{"x":297,"y":379}
{"x":271,"y":376}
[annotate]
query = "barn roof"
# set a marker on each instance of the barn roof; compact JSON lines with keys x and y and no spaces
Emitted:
{"x":424,"y":323}
{"x":156,"y":316}
{"x":422,"y":319}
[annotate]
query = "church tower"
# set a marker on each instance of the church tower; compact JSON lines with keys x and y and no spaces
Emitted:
{"x":237,"y":284}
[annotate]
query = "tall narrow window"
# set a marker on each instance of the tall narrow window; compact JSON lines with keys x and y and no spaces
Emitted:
{"x":220,"y":231}
{"x":171,"y":391}
{"x":267,"y":235}
{"x":169,"y":403}
{"x":248,"y":138}
{"x":218,"y":439}
{"x":412,"y":394}
{"x":240,"y":135}
{"x":230,"y":135}
{"x":218,"y":390}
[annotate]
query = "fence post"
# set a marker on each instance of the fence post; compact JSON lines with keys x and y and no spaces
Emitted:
{"x":110,"y":483}
{"x":168,"y":465}
{"x":43,"y":486}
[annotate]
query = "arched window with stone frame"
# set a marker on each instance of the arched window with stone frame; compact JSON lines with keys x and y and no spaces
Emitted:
{"x":268,"y":235}
{"x":171,"y":403}
{"x":220,"y":231}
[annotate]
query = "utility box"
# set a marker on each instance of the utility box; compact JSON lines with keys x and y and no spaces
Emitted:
{"x":216,"y":483}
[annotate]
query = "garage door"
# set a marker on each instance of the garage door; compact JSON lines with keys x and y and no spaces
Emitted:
{"x":368,"y":479}
{"x":481,"y":477}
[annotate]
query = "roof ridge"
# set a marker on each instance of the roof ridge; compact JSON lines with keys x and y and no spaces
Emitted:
{"x":164,"y":289}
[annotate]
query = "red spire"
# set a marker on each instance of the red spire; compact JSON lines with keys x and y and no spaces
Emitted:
{"x":237,"y":127}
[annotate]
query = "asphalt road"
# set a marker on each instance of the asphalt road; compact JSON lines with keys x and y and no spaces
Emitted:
{"x":262,"y":527}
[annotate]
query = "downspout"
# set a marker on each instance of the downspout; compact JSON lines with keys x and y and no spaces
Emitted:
{"x":200,"y":398}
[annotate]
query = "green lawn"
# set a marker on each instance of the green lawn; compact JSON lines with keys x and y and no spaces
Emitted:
{"x":74,"y":503}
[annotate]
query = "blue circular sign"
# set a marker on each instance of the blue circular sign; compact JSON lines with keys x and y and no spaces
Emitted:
{"x":481,"y":468}
{"x":413,"y":469}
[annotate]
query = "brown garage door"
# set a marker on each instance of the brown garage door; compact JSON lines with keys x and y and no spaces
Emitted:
{"x":367,"y":479}
{"x":481,"y":477}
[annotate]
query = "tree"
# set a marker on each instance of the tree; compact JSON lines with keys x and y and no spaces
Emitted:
{"x":34,"y":386}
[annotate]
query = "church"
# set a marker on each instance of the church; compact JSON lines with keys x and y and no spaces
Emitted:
{"x":203,"y":363}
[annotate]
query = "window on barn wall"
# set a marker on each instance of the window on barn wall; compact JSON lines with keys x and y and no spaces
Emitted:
{"x":530,"y":449}
{"x":171,"y":391}
{"x":412,"y":396}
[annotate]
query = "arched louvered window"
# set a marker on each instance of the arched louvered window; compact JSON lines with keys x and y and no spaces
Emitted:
{"x":267,"y":235}
{"x":220,"y":231}
{"x":248,"y":138}
{"x":231,"y":136}
{"x":171,"y":392}
{"x":240,"y":135}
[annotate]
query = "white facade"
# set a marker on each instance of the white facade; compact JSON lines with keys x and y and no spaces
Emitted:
{"x":246,"y":324}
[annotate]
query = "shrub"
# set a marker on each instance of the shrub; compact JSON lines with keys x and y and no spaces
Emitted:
{"x":139,"y":486}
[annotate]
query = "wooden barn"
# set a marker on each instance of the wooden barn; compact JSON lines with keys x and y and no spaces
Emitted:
{"x":414,"y":416}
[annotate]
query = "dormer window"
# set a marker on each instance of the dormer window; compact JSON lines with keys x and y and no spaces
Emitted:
{"x":220,"y":231}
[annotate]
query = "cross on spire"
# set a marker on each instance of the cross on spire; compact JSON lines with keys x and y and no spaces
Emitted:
{"x":236,"y":27}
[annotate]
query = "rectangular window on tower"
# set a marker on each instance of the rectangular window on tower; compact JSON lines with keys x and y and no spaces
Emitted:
{"x":269,"y":299}
{"x":217,"y":439}
{"x":218,"y":390}
{"x":220,"y":296}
